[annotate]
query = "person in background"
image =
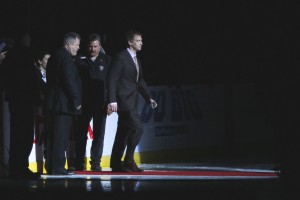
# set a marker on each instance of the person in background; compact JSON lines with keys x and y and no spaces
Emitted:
{"x":42,"y":58}
{"x":93,"y":69}
{"x":63,"y":103}
{"x":22,"y":94}
{"x":124,"y":85}
{"x":41,"y":64}
{"x":2,"y":51}
{"x":41,"y":61}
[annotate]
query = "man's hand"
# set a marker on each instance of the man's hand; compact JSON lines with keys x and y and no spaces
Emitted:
{"x":2,"y":56}
{"x":112,"y":107}
{"x":153,"y":104}
{"x":109,"y":112}
{"x":78,"y":107}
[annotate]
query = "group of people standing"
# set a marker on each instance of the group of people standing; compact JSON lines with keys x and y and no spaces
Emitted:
{"x":77,"y":89}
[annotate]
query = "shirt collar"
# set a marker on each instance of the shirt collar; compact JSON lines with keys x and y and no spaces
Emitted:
{"x":132,"y":53}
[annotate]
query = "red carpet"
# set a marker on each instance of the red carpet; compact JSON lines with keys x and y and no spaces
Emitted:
{"x":182,"y":173}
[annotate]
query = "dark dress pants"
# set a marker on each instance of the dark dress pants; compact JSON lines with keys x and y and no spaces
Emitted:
{"x":99,"y":122}
{"x":21,"y":135}
{"x":128,"y":135}
{"x":58,"y":132}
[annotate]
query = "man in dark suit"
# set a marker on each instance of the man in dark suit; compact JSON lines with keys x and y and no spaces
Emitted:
{"x":22,"y":93}
{"x":63,"y":103}
{"x":93,"y":71}
{"x":125,"y":82}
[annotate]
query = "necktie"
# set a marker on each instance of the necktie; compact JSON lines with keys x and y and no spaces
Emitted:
{"x":137,"y":67}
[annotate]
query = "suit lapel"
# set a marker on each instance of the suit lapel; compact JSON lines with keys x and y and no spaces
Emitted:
{"x":129,"y":58}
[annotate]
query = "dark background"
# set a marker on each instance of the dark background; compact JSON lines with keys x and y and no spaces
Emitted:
{"x":184,"y":41}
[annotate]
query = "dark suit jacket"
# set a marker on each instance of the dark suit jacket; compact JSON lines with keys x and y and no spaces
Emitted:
{"x":20,"y":80}
{"x":122,"y":86}
{"x":63,"y":84}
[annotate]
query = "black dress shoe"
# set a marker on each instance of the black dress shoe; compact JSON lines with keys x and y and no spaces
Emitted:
{"x":70,"y":173}
{"x":72,"y":168}
{"x":96,"y":168}
{"x":75,"y":168}
{"x":25,"y":175}
{"x":132,"y":167}
{"x":117,"y":169}
{"x":64,"y":172}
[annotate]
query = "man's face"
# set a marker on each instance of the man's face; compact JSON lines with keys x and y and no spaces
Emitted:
{"x":44,"y":61}
{"x":74,"y":47}
{"x":94,"y":48}
{"x":136,"y":43}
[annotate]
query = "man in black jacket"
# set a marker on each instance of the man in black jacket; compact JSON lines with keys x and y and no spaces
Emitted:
{"x":93,"y":70}
{"x":125,"y":83}
{"x":22,"y":93}
{"x":63,"y":102}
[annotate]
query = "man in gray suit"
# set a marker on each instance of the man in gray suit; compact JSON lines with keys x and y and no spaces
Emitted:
{"x":124,"y":84}
{"x":63,"y":103}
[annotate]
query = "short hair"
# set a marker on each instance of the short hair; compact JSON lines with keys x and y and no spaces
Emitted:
{"x":94,"y":37}
{"x":129,"y":35}
{"x":71,"y":37}
{"x":41,"y":54}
